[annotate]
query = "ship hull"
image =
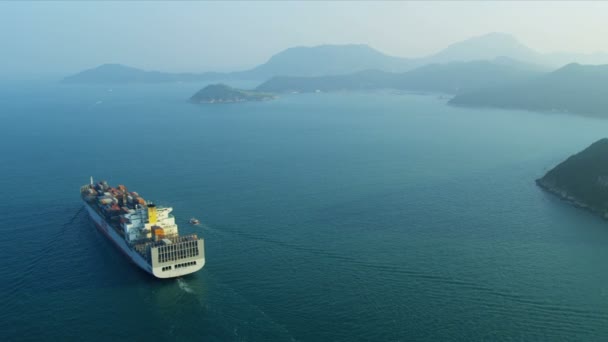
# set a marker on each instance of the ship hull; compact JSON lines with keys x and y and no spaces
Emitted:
{"x":133,"y":256}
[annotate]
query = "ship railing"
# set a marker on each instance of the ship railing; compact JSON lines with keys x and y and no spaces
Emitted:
{"x":174,"y":238}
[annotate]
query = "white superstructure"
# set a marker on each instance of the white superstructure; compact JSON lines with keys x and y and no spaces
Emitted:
{"x":137,"y":225}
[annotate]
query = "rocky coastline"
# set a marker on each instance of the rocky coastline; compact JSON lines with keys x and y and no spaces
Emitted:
{"x":582,"y":179}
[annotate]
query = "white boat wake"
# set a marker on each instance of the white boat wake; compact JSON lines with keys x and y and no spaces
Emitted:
{"x":184,"y":286}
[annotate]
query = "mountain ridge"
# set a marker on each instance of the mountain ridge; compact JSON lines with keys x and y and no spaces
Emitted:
{"x":487,"y":46}
{"x":296,"y":61}
{"x":332,"y":59}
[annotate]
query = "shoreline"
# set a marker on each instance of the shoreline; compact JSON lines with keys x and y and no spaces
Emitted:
{"x":566,"y":197}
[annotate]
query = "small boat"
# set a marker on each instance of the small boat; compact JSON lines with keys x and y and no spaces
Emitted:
{"x":194,"y":221}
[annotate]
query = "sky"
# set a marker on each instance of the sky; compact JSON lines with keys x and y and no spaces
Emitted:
{"x":66,"y":37}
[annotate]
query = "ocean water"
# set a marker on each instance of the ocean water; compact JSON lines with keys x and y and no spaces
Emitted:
{"x":327,"y":217}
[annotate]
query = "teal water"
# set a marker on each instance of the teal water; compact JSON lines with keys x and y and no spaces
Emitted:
{"x":327,"y":217}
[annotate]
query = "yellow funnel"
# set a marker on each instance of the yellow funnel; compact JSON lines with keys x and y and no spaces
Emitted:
{"x":151,"y":213}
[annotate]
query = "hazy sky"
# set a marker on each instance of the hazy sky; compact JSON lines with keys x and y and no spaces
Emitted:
{"x":64,"y":37}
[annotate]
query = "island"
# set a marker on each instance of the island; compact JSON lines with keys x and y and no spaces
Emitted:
{"x":582,"y":179}
{"x":122,"y":74}
{"x":221,"y":93}
{"x":449,"y":78}
{"x":574,"y":88}
{"x":296,"y":61}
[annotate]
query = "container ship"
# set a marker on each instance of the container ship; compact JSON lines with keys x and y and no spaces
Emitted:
{"x":145,"y":233}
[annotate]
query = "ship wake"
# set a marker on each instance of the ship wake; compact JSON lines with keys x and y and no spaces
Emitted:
{"x":184,"y":286}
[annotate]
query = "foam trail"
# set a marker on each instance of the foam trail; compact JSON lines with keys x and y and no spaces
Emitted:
{"x":205,"y":227}
{"x":183,"y":285}
{"x":95,"y":104}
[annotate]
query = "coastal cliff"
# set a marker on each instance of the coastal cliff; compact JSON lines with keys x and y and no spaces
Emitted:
{"x":582,"y":179}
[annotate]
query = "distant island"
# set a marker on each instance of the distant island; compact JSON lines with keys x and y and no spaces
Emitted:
{"x":325,"y":60}
{"x":450,"y":78}
{"x":121,"y":74}
{"x":574,"y":88}
{"x":296,"y":61}
{"x":221,"y":93}
{"x":582,"y":179}
{"x":492,"y":71}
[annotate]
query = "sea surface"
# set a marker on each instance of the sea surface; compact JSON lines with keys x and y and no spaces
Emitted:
{"x":377,"y":216}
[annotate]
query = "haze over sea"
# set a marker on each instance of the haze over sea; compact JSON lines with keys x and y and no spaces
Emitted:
{"x":327,"y":217}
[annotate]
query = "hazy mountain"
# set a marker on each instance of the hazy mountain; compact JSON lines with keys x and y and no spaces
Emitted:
{"x":298,"y":61}
{"x":574,"y":88}
{"x":486,"y":47}
{"x":448,"y":78}
{"x":508,"y":61}
{"x":582,"y":179}
{"x":117,"y":73}
{"x":363,"y":80}
{"x":327,"y":60}
{"x":324,"y":60}
{"x":502,"y":45}
{"x":559,"y":59}
{"x":458,"y":77}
